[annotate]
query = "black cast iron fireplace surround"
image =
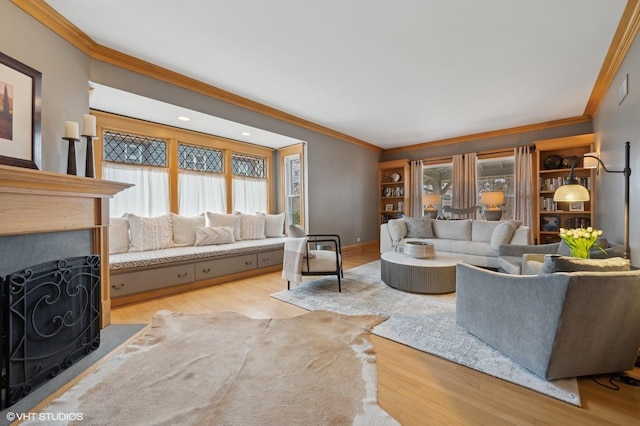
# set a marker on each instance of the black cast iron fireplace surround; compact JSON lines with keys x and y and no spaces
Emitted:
{"x":50,"y":318}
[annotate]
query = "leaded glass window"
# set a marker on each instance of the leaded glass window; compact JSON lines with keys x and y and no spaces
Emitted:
{"x":200,"y":159}
{"x":132,"y":149}
{"x":248,"y":165}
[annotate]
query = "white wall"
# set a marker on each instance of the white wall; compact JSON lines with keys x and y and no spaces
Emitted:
{"x":614,"y":124}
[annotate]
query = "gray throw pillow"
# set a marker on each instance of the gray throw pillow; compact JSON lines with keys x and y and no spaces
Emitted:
{"x":556,"y":263}
{"x":418,"y":227}
{"x":502,"y":234}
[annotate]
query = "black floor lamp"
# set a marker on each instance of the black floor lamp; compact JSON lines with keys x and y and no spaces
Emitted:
{"x":573,"y":191}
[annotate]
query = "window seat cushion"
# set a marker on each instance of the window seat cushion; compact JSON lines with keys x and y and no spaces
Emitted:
{"x":179,"y":254}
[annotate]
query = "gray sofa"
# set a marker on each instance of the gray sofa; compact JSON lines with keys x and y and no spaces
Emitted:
{"x":563,"y":324}
{"x":475,"y":241}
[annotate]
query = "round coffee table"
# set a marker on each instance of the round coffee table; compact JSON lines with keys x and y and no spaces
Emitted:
{"x":434,"y":275}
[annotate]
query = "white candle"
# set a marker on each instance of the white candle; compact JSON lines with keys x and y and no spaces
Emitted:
{"x":71,"y":130}
{"x":89,"y":128}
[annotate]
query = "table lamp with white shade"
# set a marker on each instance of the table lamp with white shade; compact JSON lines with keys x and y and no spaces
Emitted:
{"x":429,"y":201}
{"x":492,"y":200}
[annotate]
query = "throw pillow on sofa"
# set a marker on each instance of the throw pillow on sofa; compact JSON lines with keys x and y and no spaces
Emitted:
{"x":397,"y":229}
{"x":217,"y":220}
{"x":274,"y":225}
{"x":556,"y":263}
{"x":118,"y":235}
{"x":252,"y":226}
{"x":453,"y":229}
{"x":184,"y":229}
{"x":206,"y":236}
{"x":418,"y":227}
{"x":502,"y":234}
{"x":150,"y":233}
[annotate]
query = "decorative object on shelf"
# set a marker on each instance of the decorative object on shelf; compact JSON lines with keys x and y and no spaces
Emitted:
{"x":581,"y":240}
{"x":429,"y":202}
{"x":553,"y":162}
{"x":394,"y":177}
{"x":388,"y":207}
{"x":20,"y":114}
{"x":549,"y":223}
{"x":89,"y":133}
{"x":568,"y":161}
{"x":71,"y":135}
{"x":572,"y":191}
{"x":576,"y":206}
{"x":492,"y":200}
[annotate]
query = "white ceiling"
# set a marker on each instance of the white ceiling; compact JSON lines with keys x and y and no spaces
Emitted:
{"x":389,"y":73}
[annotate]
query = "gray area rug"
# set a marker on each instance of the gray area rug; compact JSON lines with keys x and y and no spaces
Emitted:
{"x":423,"y":322}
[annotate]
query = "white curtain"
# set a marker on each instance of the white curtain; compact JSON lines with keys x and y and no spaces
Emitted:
{"x":249,"y":195}
{"x":416,"y":189}
{"x":148,"y":197}
{"x":523,"y":184}
{"x":201,"y":192}
{"x":465,"y":185}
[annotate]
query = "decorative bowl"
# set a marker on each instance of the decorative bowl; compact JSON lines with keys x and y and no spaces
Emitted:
{"x":418,"y":249}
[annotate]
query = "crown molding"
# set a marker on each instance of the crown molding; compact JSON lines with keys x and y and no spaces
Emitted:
{"x":492,"y":134}
{"x":620,"y":45}
{"x":45,"y":14}
{"x":57,"y":23}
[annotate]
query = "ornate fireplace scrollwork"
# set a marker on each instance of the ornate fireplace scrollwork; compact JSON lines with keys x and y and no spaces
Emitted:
{"x":50,"y":320}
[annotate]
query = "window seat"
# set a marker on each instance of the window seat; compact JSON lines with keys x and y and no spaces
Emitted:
{"x":143,"y":275}
{"x":159,"y":256}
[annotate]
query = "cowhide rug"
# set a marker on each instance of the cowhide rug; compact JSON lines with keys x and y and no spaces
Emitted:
{"x":228,"y":369}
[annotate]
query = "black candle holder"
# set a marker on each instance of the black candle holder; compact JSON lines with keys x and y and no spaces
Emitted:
{"x":89,"y":171}
{"x":71,"y":157}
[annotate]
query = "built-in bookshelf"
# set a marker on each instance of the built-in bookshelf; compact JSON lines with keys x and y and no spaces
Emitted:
{"x":394,"y":199}
{"x":553,"y":159}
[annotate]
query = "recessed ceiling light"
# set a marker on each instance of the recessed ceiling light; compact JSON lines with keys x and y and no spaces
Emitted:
{"x":183,"y":118}
{"x":245,"y":134}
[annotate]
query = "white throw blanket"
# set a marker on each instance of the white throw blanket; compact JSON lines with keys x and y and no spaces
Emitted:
{"x":294,"y":250}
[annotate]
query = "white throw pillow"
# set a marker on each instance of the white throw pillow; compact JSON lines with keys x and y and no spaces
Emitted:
{"x":210,"y":236}
{"x":397,"y":229}
{"x":252,"y":226}
{"x":217,"y":220}
{"x":118,"y":235}
{"x":184,"y":229}
{"x":150,"y":233}
{"x":452,"y":229}
{"x":502,"y":234}
{"x":274,"y":225}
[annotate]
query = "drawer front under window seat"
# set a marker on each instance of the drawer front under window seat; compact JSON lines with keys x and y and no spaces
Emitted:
{"x":230,"y":265}
{"x":151,"y":279}
{"x":270,"y":258}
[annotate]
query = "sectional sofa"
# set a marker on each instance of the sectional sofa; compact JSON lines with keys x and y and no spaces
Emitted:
{"x":477,"y":242}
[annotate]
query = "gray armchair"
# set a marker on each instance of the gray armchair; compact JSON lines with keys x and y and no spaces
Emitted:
{"x":527,"y":259}
{"x":556,"y":325}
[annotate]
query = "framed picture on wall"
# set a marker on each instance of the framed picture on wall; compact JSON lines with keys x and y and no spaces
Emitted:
{"x":549,"y":223}
{"x":20,"y":109}
{"x":576,"y":206}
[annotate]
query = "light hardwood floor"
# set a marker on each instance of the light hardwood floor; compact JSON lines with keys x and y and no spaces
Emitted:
{"x":414,"y":387}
